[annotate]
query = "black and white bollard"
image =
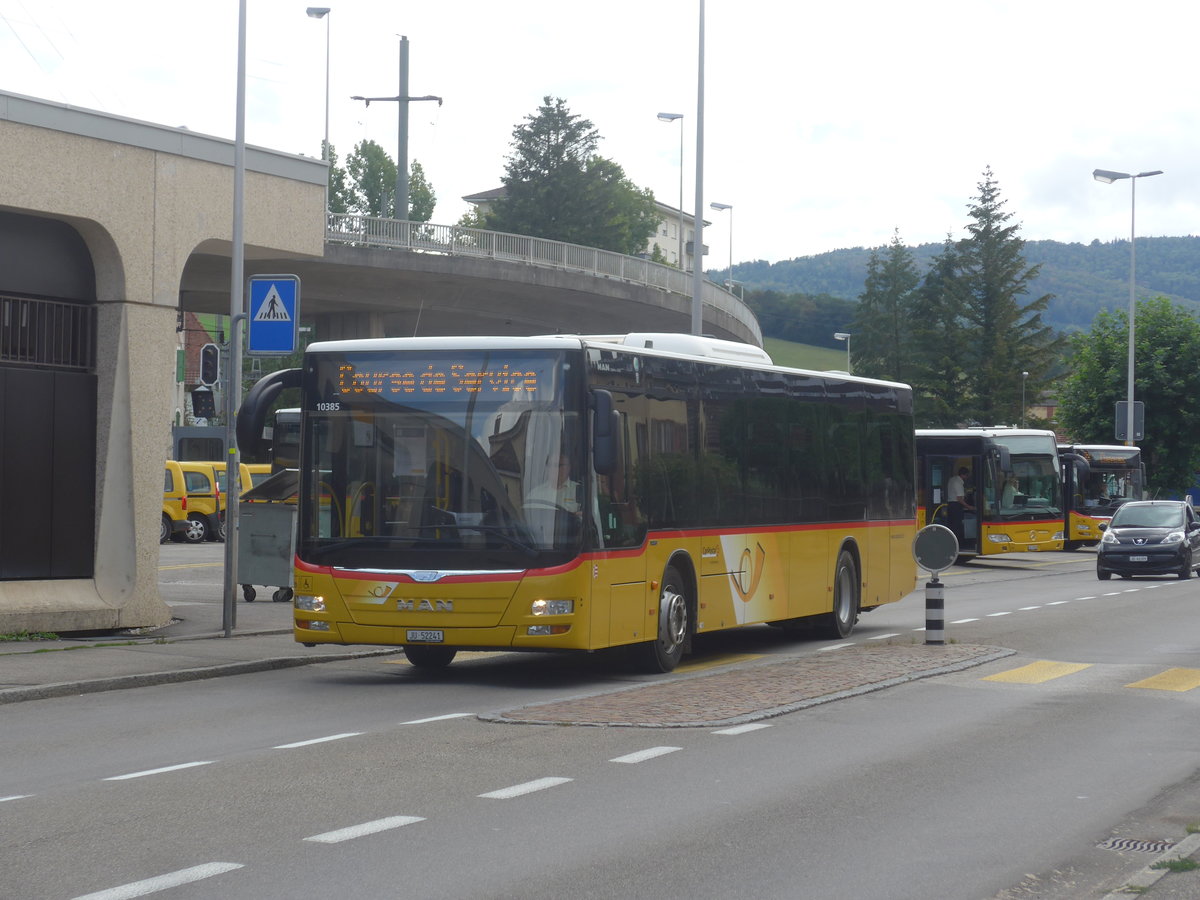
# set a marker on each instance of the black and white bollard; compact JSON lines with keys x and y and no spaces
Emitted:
{"x":935,"y":612}
{"x":935,"y":548}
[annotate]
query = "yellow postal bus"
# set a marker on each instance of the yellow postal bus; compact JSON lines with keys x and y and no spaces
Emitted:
{"x":566,"y":492}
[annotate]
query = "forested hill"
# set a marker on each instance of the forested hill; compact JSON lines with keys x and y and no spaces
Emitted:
{"x":1084,"y":278}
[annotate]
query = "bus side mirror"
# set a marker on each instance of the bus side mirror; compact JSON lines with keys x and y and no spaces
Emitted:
{"x":605,"y":427}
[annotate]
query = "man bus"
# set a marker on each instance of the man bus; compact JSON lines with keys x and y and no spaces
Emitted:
{"x":1013,"y":488}
{"x":1097,"y":478}
{"x":567,"y":492}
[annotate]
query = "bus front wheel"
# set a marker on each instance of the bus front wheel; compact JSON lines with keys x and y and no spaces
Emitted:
{"x":840,"y":622}
{"x":424,"y":656}
{"x":674,"y":626}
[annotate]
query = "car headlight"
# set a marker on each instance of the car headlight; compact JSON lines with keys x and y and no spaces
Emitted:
{"x":1175,"y":537}
{"x":1109,"y":538}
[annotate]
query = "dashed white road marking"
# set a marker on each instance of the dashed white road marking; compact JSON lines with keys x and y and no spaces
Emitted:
{"x":366,"y":828}
{"x":14,"y":797}
{"x":742,"y":729}
{"x":162,"y":882}
{"x":437,"y":718}
{"x":643,"y":755}
{"x":1057,"y":602}
{"x":963,"y":621}
{"x":1027,"y":608}
{"x":834,"y":647}
{"x":164,"y":769}
{"x":528,"y":787}
{"x":884,"y":637}
{"x":995,"y":615}
{"x":320,"y":740}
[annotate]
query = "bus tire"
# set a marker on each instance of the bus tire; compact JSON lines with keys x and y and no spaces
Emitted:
{"x":424,"y":656}
{"x":674,"y":626}
{"x":840,"y":622}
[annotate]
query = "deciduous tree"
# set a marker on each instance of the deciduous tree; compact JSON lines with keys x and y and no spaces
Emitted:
{"x":1166,"y":379}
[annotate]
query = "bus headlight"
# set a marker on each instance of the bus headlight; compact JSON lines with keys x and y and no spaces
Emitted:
{"x":999,"y":538}
{"x":309,"y":603}
{"x":542,"y":607}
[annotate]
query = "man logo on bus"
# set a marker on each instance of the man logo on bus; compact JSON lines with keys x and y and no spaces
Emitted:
{"x":750,"y":572}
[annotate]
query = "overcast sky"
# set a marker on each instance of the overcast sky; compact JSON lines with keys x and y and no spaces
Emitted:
{"x":827,"y":125}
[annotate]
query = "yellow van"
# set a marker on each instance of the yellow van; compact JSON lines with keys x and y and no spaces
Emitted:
{"x":175,"y":521}
{"x":253,"y":474}
{"x":194,"y":502}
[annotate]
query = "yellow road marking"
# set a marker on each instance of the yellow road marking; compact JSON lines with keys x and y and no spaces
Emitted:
{"x":1171,"y":680}
{"x":1038,"y":672}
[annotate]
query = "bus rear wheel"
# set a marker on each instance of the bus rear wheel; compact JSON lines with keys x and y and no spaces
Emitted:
{"x":840,"y":622}
{"x":674,"y":626}
{"x":426,"y":657}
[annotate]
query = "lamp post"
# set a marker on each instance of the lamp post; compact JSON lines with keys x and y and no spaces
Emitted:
{"x":845,"y":336}
{"x":671,"y":117}
{"x":1024,"y":375}
{"x":719,"y":207}
{"x":1108,"y":177}
{"x":322,"y":12}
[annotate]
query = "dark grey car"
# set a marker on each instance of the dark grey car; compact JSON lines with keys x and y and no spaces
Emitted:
{"x":1150,"y":537}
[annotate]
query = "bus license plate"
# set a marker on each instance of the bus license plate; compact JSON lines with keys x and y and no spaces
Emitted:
{"x":1139,"y":559}
{"x":424,"y":637}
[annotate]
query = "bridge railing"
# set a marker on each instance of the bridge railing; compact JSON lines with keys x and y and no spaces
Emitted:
{"x":455,"y":240}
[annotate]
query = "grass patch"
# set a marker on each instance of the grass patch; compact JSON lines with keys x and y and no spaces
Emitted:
{"x":29,"y":636}
{"x":1187,"y":864}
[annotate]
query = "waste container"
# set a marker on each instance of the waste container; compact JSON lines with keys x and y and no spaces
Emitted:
{"x":267,"y":536}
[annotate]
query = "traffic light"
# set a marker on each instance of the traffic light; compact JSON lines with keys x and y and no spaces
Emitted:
{"x":204,"y":405}
{"x":210,"y":364}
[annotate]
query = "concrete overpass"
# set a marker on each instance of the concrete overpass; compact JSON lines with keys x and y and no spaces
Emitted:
{"x":109,"y":225}
{"x":385,"y":278}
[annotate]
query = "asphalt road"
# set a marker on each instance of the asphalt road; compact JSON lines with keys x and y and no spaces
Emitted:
{"x":373,"y":779}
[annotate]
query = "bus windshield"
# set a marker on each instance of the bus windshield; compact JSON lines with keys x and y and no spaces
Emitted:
{"x":460,"y":460}
{"x":1033,"y":486}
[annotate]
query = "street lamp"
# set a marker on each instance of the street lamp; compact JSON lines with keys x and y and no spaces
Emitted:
{"x":845,"y":336}
{"x":671,"y":117}
{"x":1024,"y":375}
{"x":322,"y":12}
{"x":1108,"y":177}
{"x":719,"y":207}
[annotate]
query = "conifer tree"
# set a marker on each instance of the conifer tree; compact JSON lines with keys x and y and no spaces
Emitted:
{"x":882,"y":327}
{"x":1005,"y":333}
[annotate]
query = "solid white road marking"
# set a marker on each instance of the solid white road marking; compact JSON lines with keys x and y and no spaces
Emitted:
{"x":320,"y":740}
{"x":159,"y":771}
{"x":366,"y":828}
{"x":162,"y":882}
{"x":742,"y":729}
{"x":643,"y":755}
{"x":438,"y":718}
{"x":884,"y":637}
{"x":528,"y":787}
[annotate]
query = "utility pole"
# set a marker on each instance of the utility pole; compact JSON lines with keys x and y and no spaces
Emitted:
{"x":400,"y":207}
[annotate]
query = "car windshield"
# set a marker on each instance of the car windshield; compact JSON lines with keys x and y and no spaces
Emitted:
{"x":1132,"y":515}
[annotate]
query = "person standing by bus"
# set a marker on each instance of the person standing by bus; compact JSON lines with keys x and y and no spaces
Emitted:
{"x":956,"y":499}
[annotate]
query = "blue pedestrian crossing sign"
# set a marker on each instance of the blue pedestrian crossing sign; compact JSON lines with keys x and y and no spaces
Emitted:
{"x":274,"y":315}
